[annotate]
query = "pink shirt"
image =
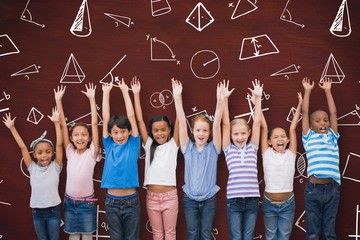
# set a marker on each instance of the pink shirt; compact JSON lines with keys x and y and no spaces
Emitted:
{"x":80,"y":171}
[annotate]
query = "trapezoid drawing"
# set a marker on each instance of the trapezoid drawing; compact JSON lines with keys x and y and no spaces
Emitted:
{"x":160,"y":7}
{"x":72,"y":72}
{"x":26,"y":71}
{"x":7,"y":46}
{"x":81,"y":26}
{"x":242,"y":8}
{"x":341,"y":26}
{"x":332,"y":70}
{"x":257,"y":46}
{"x":200,"y":17}
{"x":120,"y":19}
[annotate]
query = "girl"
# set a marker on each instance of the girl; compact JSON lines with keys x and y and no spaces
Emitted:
{"x":279,"y":167}
{"x":161,"y":148}
{"x":241,"y":159}
{"x":82,"y":153}
{"x":121,"y":141}
{"x":201,"y":158}
{"x":44,"y":178}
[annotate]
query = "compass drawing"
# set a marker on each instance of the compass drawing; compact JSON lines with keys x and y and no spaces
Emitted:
{"x":205,"y":64}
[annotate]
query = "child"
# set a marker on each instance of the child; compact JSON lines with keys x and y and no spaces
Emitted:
{"x":279,"y":155}
{"x":160,"y":170}
{"x":44,"y":178}
{"x":320,"y":137}
{"x":82,"y":153}
{"x":121,"y":141}
{"x":200,"y":158}
{"x":241,"y":158}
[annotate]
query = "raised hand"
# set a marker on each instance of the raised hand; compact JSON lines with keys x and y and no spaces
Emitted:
{"x":226,"y":90}
{"x":176,"y":87}
{"x":59,"y":92}
{"x":258,"y":88}
{"x":106,"y":87}
{"x":55,"y":117}
{"x":326,"y":84}
{"x":307,"y":84}
{"x":9,"y":123}
{"x":300,"y":98}
{"x":135,"y":85}
{"x":123,"y":86}
{"x":90,"y":90}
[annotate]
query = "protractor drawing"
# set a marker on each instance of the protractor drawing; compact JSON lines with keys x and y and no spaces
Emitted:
{"x":81,"y":26}
{"x":257,"y":46}
{"x":109,"y":77}
{"x":205,"y":64}
{"x":286,"y":71}
{"x":120,"y":19}
{"x":332,"y":70}
{"x":200,"y":17}
{"x":160,"y":7}
{"x":7,"y":46}
{"x":350,"y":119}
{"x":160,"y":51}
{"x":287,"y":17}
{"x":26,"y":71}
{"x":341,"y":26}
{"x":27,"y":17}
{"x":242,"y":8}
{"x":72,"y":72}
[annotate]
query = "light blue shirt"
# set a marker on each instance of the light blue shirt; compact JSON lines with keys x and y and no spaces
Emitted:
{"x":200,"y":171}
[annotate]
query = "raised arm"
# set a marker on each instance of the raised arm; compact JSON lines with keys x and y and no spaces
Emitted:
{"x":10,"y":123}
{"x":129,"y":107}
{"x":90,"y":94}
{"x":257,"y":93}
{"x":264,"y":134}
{"x":106,"y":88}
{"x":136,"y":87}
{"x":180,"y":114}
{"x":59,"y":93}
{"x":326,"y":85}
{"x":308,"y":86}
{"x":293,"y":125}
{"x":226,"y":135}
{"x":55,"y":118}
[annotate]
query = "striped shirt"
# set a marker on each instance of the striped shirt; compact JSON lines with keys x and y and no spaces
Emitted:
{"x":243,"y":173}
{"x":322,"y":153}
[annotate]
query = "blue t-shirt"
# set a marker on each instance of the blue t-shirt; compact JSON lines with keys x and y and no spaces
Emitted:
{"x":200,"y":171}
{"x":121,"y":169}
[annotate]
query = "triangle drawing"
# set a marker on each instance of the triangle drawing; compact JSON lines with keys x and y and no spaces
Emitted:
{"x":332,"y":70}
{"x":72,"y":71}
{"x":288,"y":70}
{"x":28,"y":70}
{"x":200,"y":17}
{"x":120,"y":19}
{"x":242,"y":8}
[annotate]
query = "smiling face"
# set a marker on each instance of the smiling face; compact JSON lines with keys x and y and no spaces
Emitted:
{"x":201,"y":132}
{"x":80,"y":137}
{"x":319,"y":122}
{"x":160,"y":131}
{"x":240,"y":134}
{"x":120,"y":135}
{"x":43,"y":153}
{"x":278,"y":140}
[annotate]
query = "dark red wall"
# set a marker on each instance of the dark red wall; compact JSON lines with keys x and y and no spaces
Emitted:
{"x":294,"y":34}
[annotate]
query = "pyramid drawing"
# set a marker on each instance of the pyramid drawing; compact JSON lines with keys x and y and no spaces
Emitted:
{"x":242,"y":8}
{"x":332,"y":70}
{"x":200,"y":17}
{"x":72,"y":71}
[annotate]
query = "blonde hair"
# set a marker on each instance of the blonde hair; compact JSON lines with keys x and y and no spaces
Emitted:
{"x":239,"y":121}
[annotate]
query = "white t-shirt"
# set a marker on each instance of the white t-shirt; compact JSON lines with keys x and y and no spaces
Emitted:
{"x":162,"y":170}
{"x":279,"y":170}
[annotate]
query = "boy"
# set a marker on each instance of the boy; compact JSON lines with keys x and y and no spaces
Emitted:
{"x":320,"y":137}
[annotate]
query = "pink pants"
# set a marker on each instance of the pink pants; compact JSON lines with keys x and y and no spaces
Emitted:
{"x":162,"y":209}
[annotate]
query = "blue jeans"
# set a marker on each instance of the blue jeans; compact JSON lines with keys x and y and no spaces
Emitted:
{"x":47,"y":222}
{"x":123,"y":217}
{"x":321,"y":205}
{"x":242,"y":214}
{"x":278,"y":218}
{"x":199,"y":217}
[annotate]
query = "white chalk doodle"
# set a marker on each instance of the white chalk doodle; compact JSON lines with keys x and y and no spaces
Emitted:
{"x":120,"y":19}
{"x":72,"y":72}
{"x":6,"y":97}
{"x":341,"y":26}
{"x":200,"y":17}
{"x":86,"y":118}
{"x":109,"y":77}
{"x":161,"y":99}
{"x":102,"y":231}
{"x":242,"y":8}
{"x":205,"y":64}
{"x":252,"y":110}
{"x":160,"y":7}
{"x":301,"y":165}
{"x":191,"y":116}
{"x":7,"y":46}
{"x":81,"y":26}
{"x":26,"y":71}
{"x":351,"y":172}
{"x":159,"y":50}
{"x":286,"y":16}
{"x":257,"y":46}
{"x":301,"y":222}
{"x":34,"y":116}
{"x":291,"y":115}
{"x":357,"y":234}
{"x":332,"y":70}
{"x":286,"y":71}
{"x":2,"y":202}
{"x":350,"y":119}
{"x":27,"y":17}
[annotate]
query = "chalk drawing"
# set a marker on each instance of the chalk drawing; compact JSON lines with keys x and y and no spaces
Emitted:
{"x":357,"y":234}
{"x":291,"y":115}
{"x":300,"y":222}
{"x":252,"y":110}
{"x":242,"y":8}
{"x":102,"y":231}
{"x":7,"y":46}
{"x":159,"y":50}
{"x":161,"y":99}
{"x":286,"y":16}
{"x":27,"y":17}
{"x":160,"y":7}
{"x":120,"y":19}
{"x":287,"y":70}
{"x":351,"y":172}
{"x":72,"y":72}
{"x":301,"y":165}
{"x":332,"y":70}
{"x":205,"y":64}
{"x":200,"y":17}
{"x":34,"y":116}
{"x":26,"y":71}
{"x":257,"y":46}
{"x":6,"y":97}
{"x":81,"y":26}
{"x":350,"y":119}
{"x":109,"y":77}
{"x":1,"y":202}
{"x":84,"y":118}
{"x":341,"y":26}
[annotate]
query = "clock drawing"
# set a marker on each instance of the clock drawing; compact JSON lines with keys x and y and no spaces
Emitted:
{"x":205,"y":64}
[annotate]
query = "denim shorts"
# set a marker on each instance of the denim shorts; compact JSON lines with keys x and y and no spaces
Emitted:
{"x":79,"y":216}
